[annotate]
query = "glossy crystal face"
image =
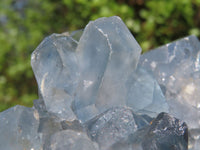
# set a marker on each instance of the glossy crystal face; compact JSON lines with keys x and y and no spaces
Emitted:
{"x":97,"y":92}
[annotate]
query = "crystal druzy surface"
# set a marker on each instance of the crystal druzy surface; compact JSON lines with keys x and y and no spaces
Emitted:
{"x":176,"y":67}
{"x":97,"y":92}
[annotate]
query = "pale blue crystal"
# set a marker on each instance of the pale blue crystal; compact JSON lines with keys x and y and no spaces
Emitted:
{"x":176,"y":68}
{"x":18,"y":128}
{"x":114,"y":125}
{"x":144,"y":94}
{"x":55,"y":66}
{"x":90,"y":80}
{"x":71,"y":140}
{"x":93,"y":70}
{"x":107,"y":54}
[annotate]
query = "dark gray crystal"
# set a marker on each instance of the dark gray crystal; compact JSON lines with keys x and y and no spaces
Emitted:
{"x":166,"y":133}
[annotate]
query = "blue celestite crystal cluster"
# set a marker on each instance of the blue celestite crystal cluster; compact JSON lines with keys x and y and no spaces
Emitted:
{"x":97,"y":92}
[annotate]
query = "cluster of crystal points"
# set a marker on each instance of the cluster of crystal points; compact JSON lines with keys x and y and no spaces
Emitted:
{"x":97,"y":93}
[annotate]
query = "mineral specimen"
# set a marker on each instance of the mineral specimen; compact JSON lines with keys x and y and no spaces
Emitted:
{"x":97,"y":93}
{"x":94,"y":75}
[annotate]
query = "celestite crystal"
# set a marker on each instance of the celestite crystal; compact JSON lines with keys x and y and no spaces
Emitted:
{"x":95,"y":73}
{"x":19,"y":129}
{"x":97,"y":93}
{"x":131,"y":131}
{"x":114,"y":125}
{"x":176,"y":67}
{"x":53,"y":63}
{"x":71,"y":140}
{"x":103,"y":69}
{"x":177,"y":71}
{"x":144,"y":94}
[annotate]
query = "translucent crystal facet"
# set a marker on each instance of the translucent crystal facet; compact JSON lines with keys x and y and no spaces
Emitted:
{"x":144,"y":94}
{"x":18,"y":128}
{"x":97,"y":93}
{"x":71,"y":140}
{"x":114,"y":125}
{"x":55,"y":66}
{"x":176,"y":68}
{"x":107,"y":53}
